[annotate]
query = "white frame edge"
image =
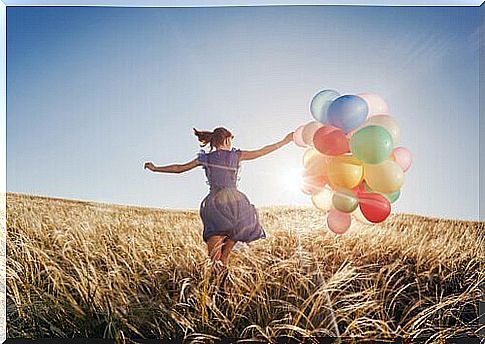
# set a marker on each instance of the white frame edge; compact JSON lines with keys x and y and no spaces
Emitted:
{"x":232,"y":3}
{"x":132,"y":3}
{"x":3,"y":173}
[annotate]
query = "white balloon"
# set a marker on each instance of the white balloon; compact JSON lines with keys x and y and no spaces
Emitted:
{"x":389,"y":123}
{"x":377,"y":105}
{"x":309,"y":131}
{"x":323,"y":199}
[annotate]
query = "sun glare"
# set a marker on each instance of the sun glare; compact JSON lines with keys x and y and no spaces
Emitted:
{"x":292,"y":180}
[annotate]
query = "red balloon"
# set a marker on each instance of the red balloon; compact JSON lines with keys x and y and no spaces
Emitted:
{"x":375,"y":207}
{"x":330,"y":140}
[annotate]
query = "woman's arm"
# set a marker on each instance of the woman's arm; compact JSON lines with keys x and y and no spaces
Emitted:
{"x":250,"y":155}
{"x":177,"y":168}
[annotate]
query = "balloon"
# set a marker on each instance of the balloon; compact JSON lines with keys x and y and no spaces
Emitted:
{"x":359,"y":188}
{"x":323,"y":198}
{"x":386,"y":177}
{"x":392,"y":197}
{"x":297,"y":136}
{"x":347,"y":112}
{"x":330,"y":140}
{"x":338,"y":222}
{"x":308,"y":132}
{"x":371,"y":144}
{"x":344,"y":171}
{"x":313,"y":182}
{"x":388,"y":123}
{"x":403,"y":157}
{"x":345,"y":201}
{"x":375,"y":207}
{"x":314,"y":159}
{"x":375,"y":103}
{"x":320,"y":103}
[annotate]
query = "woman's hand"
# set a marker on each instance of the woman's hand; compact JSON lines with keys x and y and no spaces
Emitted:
{"x":149,"y":165}
{"x":288,"y":138}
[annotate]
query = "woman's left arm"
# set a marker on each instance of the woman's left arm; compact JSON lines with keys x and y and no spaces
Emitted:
{"x":254,"y":154}
{"x":176,"y":168}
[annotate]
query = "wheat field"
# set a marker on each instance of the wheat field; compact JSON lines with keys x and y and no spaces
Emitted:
{"x":84,"y":269}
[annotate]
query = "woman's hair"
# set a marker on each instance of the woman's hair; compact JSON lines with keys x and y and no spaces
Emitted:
{"x":214,"y":138}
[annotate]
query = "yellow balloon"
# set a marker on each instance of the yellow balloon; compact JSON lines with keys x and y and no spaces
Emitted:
{"x":386,"y":177}
{"x":345,"y":171}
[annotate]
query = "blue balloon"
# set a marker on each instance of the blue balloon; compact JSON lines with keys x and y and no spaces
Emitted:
{"x":347,"y":112}
{"x":320,"y":104}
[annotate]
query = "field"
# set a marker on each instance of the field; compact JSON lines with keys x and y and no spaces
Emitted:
{"x":83,"y":269}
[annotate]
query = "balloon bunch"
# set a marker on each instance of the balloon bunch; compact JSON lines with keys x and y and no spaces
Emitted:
{"x":353,"y":164}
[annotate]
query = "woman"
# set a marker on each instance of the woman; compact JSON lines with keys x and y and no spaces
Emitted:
{"x":227,"y":214}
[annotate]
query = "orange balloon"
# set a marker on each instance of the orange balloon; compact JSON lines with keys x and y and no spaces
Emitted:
{"x":313,"y":183}
{"x":315,"y":162}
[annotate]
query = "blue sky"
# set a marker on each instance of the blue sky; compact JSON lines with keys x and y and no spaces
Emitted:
{"x":92,"y":93}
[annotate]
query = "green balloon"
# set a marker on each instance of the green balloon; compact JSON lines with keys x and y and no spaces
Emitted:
{"x":372,"y":144}
{"x":345,"y":201}
{"x":392,"y":197}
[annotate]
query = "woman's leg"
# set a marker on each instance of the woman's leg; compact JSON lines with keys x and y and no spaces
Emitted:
{"x":226,"y":250}
{"x":214,"y":246}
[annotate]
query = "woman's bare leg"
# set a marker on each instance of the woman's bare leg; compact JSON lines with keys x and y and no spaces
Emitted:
{"x":214,"y":246}
{"x":226,"y":250}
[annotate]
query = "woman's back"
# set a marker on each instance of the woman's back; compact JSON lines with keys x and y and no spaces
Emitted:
{"x":221,"y":167}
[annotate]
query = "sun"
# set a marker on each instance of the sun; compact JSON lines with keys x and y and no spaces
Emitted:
{"x":292,"y":180}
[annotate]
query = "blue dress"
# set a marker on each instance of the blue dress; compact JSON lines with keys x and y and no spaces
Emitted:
{"x":225,"y":210}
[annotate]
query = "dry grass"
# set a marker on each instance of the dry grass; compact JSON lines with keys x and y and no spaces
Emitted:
{"x":93,"y":270}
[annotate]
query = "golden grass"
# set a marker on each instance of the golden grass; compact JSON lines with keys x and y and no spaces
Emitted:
{"x":86,"y":269}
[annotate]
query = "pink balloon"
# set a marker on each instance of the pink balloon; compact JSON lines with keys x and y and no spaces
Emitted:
{"x":403,"y":157}
{"x":338,"y":222}
{"x":298,"y":138}
{"x":377,"y":105}
{"x":309,"y":131}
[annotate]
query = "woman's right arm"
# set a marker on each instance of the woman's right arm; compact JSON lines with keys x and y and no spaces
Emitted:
{"x":176,"y":168}
{"x":254,"y":154}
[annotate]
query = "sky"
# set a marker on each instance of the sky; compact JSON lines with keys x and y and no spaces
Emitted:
{"x":93,"y":93}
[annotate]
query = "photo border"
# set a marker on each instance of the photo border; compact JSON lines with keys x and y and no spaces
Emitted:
{"x":208,"y":3}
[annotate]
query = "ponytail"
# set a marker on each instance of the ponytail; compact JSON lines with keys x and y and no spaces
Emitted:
{"x":204,"y":137}
{"x":214,"y":138}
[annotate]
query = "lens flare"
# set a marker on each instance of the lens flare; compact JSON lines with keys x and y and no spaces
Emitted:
{"x":292,"y":180}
